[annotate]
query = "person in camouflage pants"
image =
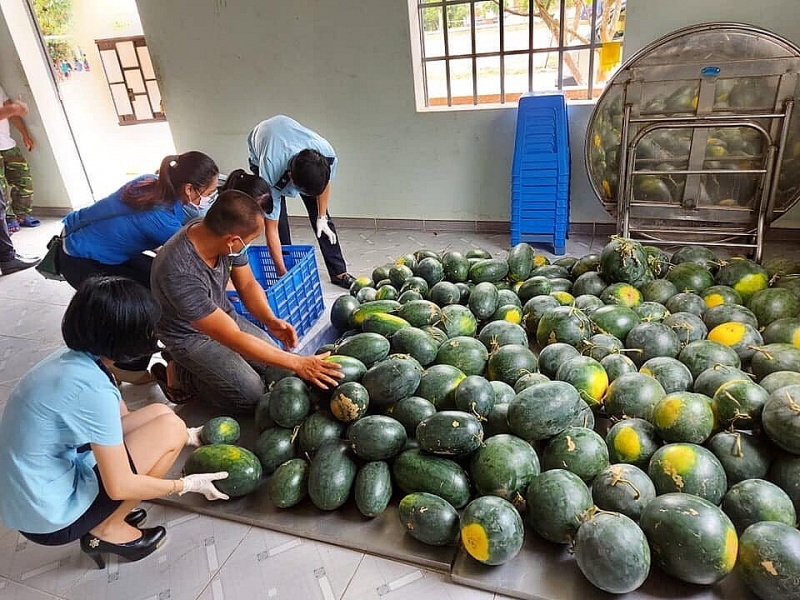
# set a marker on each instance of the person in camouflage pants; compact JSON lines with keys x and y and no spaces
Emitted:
{"x":15,"y":174}
{"x":16,"y":183}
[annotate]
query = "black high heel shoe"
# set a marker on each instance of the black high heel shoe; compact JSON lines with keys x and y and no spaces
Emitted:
{"x":138,"y":549}
{"x":136,"y":517}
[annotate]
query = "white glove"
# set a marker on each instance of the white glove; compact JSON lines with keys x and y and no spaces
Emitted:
{"x":323,"y":227}
{"x":194,"y":436}
{"x":202,"y":483}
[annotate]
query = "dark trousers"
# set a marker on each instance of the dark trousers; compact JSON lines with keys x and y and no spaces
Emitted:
{"x":7,"y":251}
{"x":331,"y":253}
{"x":77,"y":270}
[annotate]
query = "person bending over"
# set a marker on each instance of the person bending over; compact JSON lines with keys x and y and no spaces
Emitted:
{"x":74,"y":461}
{"x":216,"y":355}
{"x":109,"y":237}
{"x":294,"y":160}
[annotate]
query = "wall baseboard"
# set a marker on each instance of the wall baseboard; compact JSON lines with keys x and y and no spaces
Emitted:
{"x":778,"y":234}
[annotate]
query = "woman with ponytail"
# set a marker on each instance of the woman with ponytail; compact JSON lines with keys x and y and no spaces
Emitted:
{"x":110,"y":236}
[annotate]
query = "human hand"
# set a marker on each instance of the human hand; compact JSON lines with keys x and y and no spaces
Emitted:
{"x":322,"y":373}
{"x":28,"y":141}
{"x":203,"y":483}
{"x":284,"y":332}
{"x":194,"y":436}
{"x":324,"y":227}
{"x":20,"y":107}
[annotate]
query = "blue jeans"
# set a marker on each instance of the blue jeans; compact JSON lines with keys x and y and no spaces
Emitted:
{"x":216,"y":375}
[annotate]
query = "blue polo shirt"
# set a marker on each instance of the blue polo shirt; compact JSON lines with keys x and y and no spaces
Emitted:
{"x":61,"y":404}
{"x":273,"y":143}
{"x":116,"y":232}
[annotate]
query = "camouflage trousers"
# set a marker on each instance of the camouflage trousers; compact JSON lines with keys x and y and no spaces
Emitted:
{"x":16,"y":183}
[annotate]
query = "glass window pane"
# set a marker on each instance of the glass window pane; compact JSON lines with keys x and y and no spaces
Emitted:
{"x":576,"y":73}
{"x":141,"y":108}
{"x":459,"y":31}
{"x":545,"y":71}
{"x":578,"y":28}
{"x":113,"y":72}
{"x":437,"y":82}
{"x":488,"y":80}
{"x":121,"y":101}
{"x":516,"y":30}
{"x":145,"y":62}
{"x":133,"y":77}
{"x":546,"y":26}
{"x":155,"y":96}
{"x":432,"y":35}
{"x":461,"y":81}
{"x":487,"y":27}
{"x":127,"y":55}
{"x":516,"y":75}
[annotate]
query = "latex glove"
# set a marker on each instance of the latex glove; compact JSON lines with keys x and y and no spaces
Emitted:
{"x":203,"y":483}
{"x":323,"y":227}
{"x":194,"y":436}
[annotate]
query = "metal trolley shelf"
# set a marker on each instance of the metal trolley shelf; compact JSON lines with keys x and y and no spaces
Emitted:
{"x":695,"y":141}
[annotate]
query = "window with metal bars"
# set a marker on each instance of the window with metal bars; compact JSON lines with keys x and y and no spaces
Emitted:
{"x":489,"y":52}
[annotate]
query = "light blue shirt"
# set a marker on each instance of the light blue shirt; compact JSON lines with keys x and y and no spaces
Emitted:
{"x":64,"y":402}
{"x":273,"y":143}
{"x":111,"y":232}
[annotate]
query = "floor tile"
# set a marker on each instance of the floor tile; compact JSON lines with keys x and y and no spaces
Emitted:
{"x":377,"y":578}
{"x":18,"y":355}
{"x":10,"y":590}
{"x":268,"y":564}
{"x":33,"y":320}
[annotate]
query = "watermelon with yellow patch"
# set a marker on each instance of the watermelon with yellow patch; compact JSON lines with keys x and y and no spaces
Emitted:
{"x":744,"y":276}
{"x":690,"y":538}
{"x":632,"y":441}
{"x":684,"y":417}
{"x":783,"y":331}
{"x":769,"y":560}
{"x":720,"y":294}
{"x":587,"y":376}
{"x":688,"y":469}
{"x":220,"y":430}
{"x":623,"y":260}
{"x":738,"y":403}
{"x":742,"y":338}
{"x":491,"y":530}
{"x":243,"y":467}
{"x":623,"y":294}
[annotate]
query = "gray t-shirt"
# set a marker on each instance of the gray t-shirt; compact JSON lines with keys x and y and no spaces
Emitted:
{"x":187,"y":289}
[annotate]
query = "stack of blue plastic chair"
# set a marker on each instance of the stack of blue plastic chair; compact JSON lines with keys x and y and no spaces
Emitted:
{"x":540,"y":172}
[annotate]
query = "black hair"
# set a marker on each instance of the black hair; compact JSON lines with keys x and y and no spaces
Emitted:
{"x":252,"y":185}
{"x":112,"y":317}
{"x":176,"y":170}
{"x":310,"y":171}
{"x":235,"y":213}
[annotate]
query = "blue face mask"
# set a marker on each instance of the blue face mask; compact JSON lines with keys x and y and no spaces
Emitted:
{"x":233,"y":254}
{"x":192,"y":211}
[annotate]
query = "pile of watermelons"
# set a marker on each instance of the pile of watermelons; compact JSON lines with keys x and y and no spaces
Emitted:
{"x":635,"y":405}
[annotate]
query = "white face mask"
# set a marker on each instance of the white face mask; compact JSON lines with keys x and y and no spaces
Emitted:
{"x":233,"y":254}
{"x":206,"y":201}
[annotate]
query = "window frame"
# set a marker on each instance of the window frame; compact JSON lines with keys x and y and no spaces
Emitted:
{"x":420,"y":61}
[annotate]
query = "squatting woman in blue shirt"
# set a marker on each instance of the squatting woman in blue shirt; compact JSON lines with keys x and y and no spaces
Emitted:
{"x":109,"y":237}
{"x":74,"y":461}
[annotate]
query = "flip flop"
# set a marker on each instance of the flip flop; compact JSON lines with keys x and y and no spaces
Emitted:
{"x":176,"y":396}
{"x":13,"y":225}
{"x":29,"y":221}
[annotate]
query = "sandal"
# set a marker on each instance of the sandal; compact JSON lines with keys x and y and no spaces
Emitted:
{"x":13,"y":225}
{"x":174,"y":395}
{"x":29,"y":221}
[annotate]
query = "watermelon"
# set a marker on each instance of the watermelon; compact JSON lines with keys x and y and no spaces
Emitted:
{"x":542,"y":411}
{"x":781,"y":418}
{"x":755,"y":500}
{"x":243,"y":467}
{"x":744,"y":276}
{"x":684,"y":417}
{"x":647,"y":340}
{"x":288,"y":485}
{"x":738,"y":403}
{"x":220,"y":430}
{"x":612,"y":552}
{"x":429,"y":518}
{"x":576,"y":449}
{"x":632,"y":441}
{"x":690,"y":538}
{"x":689,"y":469}
{"x":743,"y":455}
{"x":491,"y":530}
{"x":671,"y":373}
{"x":633,"y":395}
{"x":623,"y":488}
{"x":772,"y":304}
{"x":769,"y":560}
{"x":587,"y":376}
{"x":623,"y":260}
{"x":558,"y":502}
{"x":504,"y":466}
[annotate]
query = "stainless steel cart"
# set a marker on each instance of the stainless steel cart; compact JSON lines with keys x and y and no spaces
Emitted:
{"x":695,"y":141}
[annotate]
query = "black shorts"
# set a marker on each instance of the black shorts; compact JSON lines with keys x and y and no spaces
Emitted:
{"x":99,"y":511}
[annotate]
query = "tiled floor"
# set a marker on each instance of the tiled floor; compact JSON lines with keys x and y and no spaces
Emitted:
{"x":207,"y":558}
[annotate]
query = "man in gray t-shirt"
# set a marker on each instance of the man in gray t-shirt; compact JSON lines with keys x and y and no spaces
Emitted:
{"x":216,"y":355}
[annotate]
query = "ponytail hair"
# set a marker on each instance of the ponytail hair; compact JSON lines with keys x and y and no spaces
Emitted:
{"x":176,"y":170}
{"x":252,"y":185}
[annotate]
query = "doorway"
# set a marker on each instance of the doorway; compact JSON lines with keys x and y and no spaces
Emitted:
{"x":108,"y":87}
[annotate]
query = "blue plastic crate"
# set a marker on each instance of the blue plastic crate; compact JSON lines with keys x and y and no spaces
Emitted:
{"x":295,"y":297}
